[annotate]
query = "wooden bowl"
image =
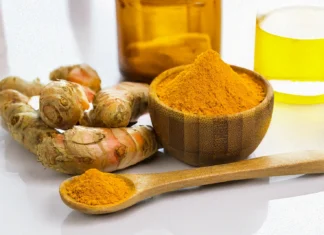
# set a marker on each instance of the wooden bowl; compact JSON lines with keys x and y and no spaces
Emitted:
{"x":204,"y":141}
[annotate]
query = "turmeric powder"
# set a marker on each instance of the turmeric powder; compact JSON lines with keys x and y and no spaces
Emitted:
{"x":97,"y":188}
{"x":210,"y":87}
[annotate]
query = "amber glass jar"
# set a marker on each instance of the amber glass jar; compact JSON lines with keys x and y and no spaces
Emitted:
{"x":155,"y":35}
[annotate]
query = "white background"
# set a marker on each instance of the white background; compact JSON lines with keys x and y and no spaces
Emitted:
{"x":39,"y":35}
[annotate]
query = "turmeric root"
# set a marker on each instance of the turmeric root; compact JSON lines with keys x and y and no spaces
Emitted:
{"x":83,"y":148}
{"x":80,"y":148}
{"x":150,"y":58}
{"x":11,"y":96}
{"x":82,"y":74}
{"x":62,"y":104}
{"x":25,"y":125}
{"x":118,"y":106}
{"x":14,"y":96}
{"x":16,"y":83}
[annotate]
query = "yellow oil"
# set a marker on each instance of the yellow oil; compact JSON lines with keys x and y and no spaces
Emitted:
{"x":289,"y":52}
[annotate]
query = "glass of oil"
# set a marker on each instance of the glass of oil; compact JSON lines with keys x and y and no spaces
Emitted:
{"x":155,"y":35}
{"x":289,"y":49}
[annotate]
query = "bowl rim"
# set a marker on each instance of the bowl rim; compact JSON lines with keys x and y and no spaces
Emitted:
{"x":267,"y":98}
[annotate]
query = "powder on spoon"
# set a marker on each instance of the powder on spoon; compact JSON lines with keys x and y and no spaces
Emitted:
{"x":97,"y":188}
{"x":210,"y":87}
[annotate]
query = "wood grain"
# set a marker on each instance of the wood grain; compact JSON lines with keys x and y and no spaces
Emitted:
{"x":204,"y":141}
{"x":149,"y":185}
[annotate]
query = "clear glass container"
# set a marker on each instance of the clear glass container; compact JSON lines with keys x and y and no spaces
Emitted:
{"x":289,"y":49}
{"x":155,"y":35}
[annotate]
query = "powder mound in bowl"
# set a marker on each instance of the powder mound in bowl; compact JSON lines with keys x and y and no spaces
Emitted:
{"x":210,"y":87}
{"x":97,"y":188}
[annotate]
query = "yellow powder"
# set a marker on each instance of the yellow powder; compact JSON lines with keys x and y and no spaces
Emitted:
{"x":210,"y":87}
{"x":98,"y":188}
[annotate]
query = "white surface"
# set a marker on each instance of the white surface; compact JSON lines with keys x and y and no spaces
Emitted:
{"x":42,"y":34}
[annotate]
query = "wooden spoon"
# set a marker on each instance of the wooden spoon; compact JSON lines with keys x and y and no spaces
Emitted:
{"x":149,"y":185}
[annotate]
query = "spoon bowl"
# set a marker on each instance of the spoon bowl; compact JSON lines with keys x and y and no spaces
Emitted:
{"x":149,"y":185}
{"x":99,"y":209}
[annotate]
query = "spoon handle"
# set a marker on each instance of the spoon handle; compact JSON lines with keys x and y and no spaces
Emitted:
{"x":305,"y":162}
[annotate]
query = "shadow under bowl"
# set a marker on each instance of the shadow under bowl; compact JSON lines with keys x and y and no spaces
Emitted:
{"x":204,"y":141}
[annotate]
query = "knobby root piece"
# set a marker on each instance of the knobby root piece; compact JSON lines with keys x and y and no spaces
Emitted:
{"x":80,"y":148}
{"x":10,"y":96}
{"x":16,"y":83}
{"x":62,"y":104}
{"x":83,"y":148}
{"x":25,"y":125}
{"x":9,"y":110}
{"x":82,"y":74}
{"x":13,"y":96}
{"x":118,"y":106}
{"x":90,"y":94}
